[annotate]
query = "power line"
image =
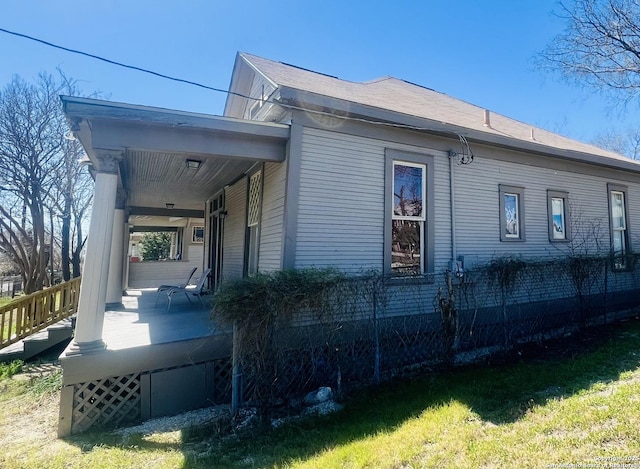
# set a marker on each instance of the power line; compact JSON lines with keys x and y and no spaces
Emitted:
{"x":120,"y":64}
{"x":210,"y":88}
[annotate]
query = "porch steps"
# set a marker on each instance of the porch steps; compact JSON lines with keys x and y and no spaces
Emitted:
{"x":39,"y":342}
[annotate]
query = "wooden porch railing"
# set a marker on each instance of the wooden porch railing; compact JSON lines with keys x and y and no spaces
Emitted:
{"x":32,"y":313}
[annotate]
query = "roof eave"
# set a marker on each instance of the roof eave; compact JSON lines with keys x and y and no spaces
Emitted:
{"x":92,"y":109}
{"x":306,"y":100}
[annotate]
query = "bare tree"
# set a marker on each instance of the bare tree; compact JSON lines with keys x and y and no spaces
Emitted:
{"x":600,"y":46}
{"x":625,"y":143}
{"x":70,"y":202}
{"x":37,"y":182}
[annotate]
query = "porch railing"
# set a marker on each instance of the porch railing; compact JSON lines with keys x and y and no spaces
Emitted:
{"x":32,"y":313}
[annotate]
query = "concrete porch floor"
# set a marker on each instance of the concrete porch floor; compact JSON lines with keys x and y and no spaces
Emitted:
{"x":141,"y":336}
{"x":139,"y":321}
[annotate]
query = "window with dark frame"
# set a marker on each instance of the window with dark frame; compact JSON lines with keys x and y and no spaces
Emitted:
{"x":559,"y":216}
{"x":619,"y":226}
{"x":511,"y":213}
{"x":407,"y":230}
{"x":198,"y":234}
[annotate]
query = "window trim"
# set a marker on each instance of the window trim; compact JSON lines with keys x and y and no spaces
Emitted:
{"x":505,"y":189}
{"x":627,"y":266}
{"x":427,"y":161}
{"x":197,"y":239}
{"x":564,"y":195}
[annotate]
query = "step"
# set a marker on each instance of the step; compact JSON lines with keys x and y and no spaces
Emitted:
{"x":39,"y":342}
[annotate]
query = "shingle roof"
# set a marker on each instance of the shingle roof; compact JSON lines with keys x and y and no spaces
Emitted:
{"x":407,"y":98}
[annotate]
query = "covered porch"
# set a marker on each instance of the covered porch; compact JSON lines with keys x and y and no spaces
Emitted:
{"x":156,"y":362}
{"x":155,"y":169}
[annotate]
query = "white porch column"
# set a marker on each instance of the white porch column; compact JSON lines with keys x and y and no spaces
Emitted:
{"x":115,"y":279}
{"x":93,"y":292}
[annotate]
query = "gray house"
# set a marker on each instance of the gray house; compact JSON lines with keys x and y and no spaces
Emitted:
{"x":305,"y":169}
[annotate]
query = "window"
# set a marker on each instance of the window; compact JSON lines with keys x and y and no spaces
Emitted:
{"x":198,"y":234}
{"x":511,"y":213}
{"x":618,"y":223}
{"x":254,"y":206}
{"x":409,"y":214}
{"x":558,"y":212}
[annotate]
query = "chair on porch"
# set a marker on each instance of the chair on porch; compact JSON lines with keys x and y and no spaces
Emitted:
{"x":164,"y":288}
{"x":190,"y":290}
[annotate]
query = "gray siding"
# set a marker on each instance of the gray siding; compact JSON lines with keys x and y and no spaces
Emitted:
{"x":341,"y":202}
{"x":234,"y":230}
{"x":195,"y":253}
{"x":152,"y":274}
{"x":272,"y":224}
{"x":340,"y":219}
{"x":477,"y":211}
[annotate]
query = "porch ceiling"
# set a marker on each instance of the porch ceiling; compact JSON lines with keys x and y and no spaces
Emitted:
{"x":156,"y":143}
{"x":153,"y":179}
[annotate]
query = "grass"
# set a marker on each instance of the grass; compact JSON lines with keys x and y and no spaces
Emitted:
{"x":570,"y":402}
{"x":9,"y":333}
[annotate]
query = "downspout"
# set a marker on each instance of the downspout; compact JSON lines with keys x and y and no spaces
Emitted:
{"x":454,"y":255}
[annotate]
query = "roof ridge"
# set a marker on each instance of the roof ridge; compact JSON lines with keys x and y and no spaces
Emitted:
{"x":249,"y":56}
{"x":445,"y":108}
{"x":379,"y":79}
{"x":311,"y":71}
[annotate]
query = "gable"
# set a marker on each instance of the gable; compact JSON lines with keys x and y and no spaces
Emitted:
{"x":249,"y":91}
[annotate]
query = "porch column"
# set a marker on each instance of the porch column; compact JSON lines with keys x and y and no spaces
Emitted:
{"x":93,"y":293}
{"x":115,"y":280}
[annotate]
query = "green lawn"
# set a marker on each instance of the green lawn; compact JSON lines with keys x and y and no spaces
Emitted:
{"x":5,"y":300}
{"x":573,"y":402}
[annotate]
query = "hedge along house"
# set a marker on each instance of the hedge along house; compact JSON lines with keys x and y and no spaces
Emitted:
{"x":307,"y":170}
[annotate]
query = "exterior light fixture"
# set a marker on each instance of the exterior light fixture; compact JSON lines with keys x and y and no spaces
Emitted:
{"x":169,"y":205}
{"x":193,"y":164}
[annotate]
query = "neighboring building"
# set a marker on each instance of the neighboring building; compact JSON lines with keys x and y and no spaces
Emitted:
{"x":305,"y":169}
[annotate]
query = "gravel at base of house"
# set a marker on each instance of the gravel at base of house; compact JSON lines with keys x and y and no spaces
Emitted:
{"x":193,"y":418}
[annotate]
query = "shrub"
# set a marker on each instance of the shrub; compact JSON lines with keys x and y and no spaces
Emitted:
{"x":256,"y":304}
{"x":155,"y":246}
{"x":264,"y":298}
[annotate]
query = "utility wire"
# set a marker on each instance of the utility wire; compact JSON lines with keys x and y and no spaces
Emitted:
{"x":210,"y":88}
{"x":120,"y":64}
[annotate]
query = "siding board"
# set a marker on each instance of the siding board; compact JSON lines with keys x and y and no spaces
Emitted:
{"x":341,"y":203}
{"x":234,"y":230}
{"x":340,"y":216}
{"x":272,"y":224}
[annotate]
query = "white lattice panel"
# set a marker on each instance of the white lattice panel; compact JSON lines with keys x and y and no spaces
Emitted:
{"x":255,"y":191}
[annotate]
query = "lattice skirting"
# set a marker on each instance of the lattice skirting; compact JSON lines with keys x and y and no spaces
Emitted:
{"x":222,"y":373}
{"x":109,"y":402}
{"x":106,"y":402}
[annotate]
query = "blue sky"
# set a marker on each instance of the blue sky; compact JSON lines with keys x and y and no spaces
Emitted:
{"x":478,"y":51}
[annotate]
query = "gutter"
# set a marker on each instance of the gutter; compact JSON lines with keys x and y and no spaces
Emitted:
{"x":291,"y":97}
